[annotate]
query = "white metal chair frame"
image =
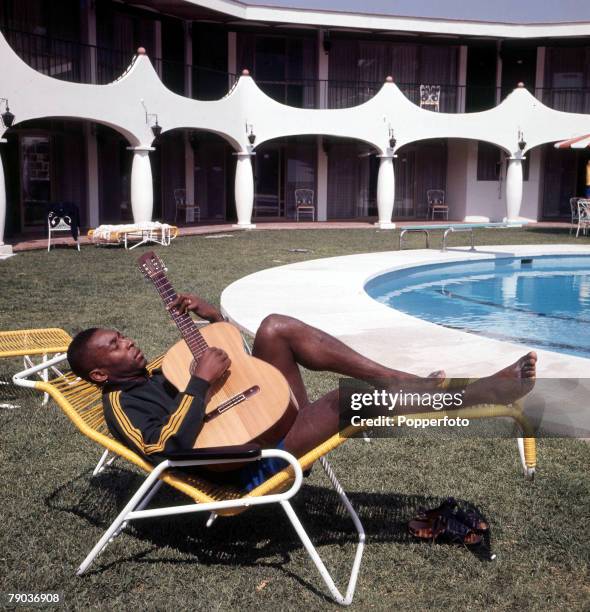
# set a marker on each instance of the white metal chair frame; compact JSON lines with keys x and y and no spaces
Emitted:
{"x":63,"y":225}
{"x":583,"y":205}
{"x":181,"y":204}
{"x":436,"y":203}
{"x":304,"y":203}
{"x":135,"y":509}
{"x":574,"y":212}
{"x":160,"y":236}
{"x":430,"y":97}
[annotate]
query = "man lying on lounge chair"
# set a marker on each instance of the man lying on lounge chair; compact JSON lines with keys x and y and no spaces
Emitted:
{"x":143,"y":410}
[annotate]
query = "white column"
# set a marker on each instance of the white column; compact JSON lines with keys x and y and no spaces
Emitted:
{"x":244,"y":190}
{"x":4,"y":248}
{"x":385,"y":192}
{"x":142,"y":188}
{"x":513,"y":188}
{"x":322,"y":181}
{"x":92,"y":203}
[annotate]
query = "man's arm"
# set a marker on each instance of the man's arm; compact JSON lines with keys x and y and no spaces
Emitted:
{"x":140,"y":428}
{"x":187,"y":302}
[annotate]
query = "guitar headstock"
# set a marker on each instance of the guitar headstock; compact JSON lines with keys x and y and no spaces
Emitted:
{"x":151,"y":265}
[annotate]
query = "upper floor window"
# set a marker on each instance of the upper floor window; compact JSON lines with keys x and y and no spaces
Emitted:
{"x":567,"y":79}
{"x":358,"y":69}
{"x":284,"y":67}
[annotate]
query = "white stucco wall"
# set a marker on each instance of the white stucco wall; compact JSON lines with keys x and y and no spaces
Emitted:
{"x":122,"y":105}
{"x":486,"y":200}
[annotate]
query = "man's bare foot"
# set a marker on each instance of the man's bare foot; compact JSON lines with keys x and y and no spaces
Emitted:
{"x":506,"y":385}
{"x":525,"y":367}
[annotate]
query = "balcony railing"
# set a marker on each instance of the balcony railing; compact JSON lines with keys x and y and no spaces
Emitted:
{"x":82,"y":63}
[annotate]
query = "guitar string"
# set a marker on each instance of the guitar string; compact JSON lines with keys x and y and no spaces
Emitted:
{"x":186,"y":325}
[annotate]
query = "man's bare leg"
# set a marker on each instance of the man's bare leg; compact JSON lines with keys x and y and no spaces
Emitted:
{"x":286,"y":342}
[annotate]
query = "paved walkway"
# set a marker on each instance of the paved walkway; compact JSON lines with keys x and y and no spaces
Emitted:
{"x":26,"y":243}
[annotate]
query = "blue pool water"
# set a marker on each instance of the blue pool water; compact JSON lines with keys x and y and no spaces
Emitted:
{"x":543,"y":302}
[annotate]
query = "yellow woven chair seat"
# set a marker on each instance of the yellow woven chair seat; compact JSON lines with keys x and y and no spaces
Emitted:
{"x":33,"y":342}
{"x":82,"y":403}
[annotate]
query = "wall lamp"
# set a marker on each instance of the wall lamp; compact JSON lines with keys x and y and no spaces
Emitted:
{"x":251,"y":134}
{"x":521,"y":141}
{"x":156,"y":128}
{"x":7,"y":116}
{"x":392,"y":140}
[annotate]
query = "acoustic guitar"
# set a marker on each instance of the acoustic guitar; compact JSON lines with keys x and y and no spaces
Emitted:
{"x":251,"y":402}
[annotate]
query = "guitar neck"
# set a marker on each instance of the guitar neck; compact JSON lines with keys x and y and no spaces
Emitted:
{"x":189,"y":331}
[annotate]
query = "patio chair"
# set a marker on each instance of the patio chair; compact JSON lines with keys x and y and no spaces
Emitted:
{"x":574,"y":212}
{"x":82,"y":403}
{"x":183,"y":206}
{"x":304,"y":203}
{"x":583,"y":216}
{"x":63,"y":217}
{"x":435,"y":198}
{"x":29,"y":343}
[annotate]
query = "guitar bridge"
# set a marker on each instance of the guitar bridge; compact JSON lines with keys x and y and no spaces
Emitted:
{"x":231,"y":402}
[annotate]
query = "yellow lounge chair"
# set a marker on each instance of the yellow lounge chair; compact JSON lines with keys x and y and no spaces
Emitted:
{"x":27,"y":343}
{"x":82,"y":403}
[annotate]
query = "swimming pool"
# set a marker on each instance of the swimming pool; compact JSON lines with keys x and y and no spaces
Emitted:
{"x":541,"y":301}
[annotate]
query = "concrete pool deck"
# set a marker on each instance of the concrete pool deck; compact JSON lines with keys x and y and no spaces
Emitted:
{"x":329,"y":294}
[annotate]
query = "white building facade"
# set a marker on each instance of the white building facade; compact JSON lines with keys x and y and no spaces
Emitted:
{"x":369,"y":110}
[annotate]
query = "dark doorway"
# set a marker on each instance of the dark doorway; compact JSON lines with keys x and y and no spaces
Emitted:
{"x":564,"y":172}
{"x":267,"y":195}
{"x":519,"y":64}
{"x":481,"y":77}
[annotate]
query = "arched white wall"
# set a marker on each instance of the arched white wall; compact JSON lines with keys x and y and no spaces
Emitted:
{"x":122,"y":105}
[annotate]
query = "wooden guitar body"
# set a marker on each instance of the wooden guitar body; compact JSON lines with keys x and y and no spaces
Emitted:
{"x":252,"y":402}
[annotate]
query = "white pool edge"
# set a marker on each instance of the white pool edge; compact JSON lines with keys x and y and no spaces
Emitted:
{"x":329,"y":294}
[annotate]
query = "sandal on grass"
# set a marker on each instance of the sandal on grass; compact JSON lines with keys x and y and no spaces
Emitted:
{"x":449,"y":508}
{"x":443,"y":525}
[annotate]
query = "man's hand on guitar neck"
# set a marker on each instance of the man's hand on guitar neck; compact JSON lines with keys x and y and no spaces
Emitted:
{"x":212,"y":365}
{"x":186,"y":302}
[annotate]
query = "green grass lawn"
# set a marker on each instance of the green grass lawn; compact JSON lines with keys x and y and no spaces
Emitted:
{"x":53,"y":512}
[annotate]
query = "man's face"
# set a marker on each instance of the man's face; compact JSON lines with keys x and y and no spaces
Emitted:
{"x":115,"y":357}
